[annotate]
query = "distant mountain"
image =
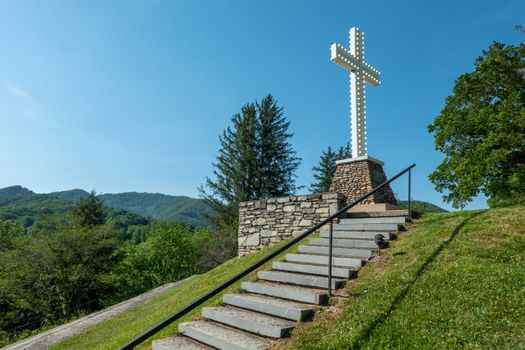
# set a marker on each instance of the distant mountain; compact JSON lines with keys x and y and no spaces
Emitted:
{"x":70,"y":195}
{"x":422,"y":207}
{"x":43,"y":213}
{"x":13,"y":190}
{"x":22,"y":205}
{"x":156,"y":205}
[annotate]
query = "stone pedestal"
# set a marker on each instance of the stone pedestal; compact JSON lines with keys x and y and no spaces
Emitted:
{"x":355,"y":177}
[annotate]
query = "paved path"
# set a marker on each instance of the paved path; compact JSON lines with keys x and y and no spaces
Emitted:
{"x":50,"y":337}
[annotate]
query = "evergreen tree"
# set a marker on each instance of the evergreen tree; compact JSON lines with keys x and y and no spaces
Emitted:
{"x":325,"y":170}
{"x":236,"y":167}
{"x":89,"y":211}
{"x":255,"y":161}
{"x":277,"y":160}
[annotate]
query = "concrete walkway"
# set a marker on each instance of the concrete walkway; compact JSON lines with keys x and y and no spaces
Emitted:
{"x":53,"y":336}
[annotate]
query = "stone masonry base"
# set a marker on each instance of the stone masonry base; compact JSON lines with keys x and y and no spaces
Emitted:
{"x":355,"y":177}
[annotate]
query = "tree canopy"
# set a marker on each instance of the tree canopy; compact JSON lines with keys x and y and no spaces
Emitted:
{"x":256,"y":159}
{"x":481,"y":131}
{"x":325,"y":170}
{"x":89,"y":211}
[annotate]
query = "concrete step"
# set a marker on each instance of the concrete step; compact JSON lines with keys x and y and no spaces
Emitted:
{"x":301,"y":294}
{"x":271,"y":306}
{"x":358,"y":234}
{"x":346,"y":252}
{"x":177,"y":342}
{"x":300,"y":279}
{"x":375,"y":214}
{"x":250,"y":321}
{"x":376,"y":220}
{"x":345,"y":243}
{"x":366,"y":227}
{"x":313,"y":269}
{"x":323,"y":260}
{"x":222,"y":337}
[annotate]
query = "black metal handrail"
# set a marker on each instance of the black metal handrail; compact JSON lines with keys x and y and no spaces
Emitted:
{"x":184,"y":310}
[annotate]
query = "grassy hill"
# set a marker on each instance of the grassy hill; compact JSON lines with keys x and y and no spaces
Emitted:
{"x":156,"y":205}
{"x":452,"y":280}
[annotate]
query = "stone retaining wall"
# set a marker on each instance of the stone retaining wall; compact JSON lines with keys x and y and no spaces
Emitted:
{"x":265,"y":222}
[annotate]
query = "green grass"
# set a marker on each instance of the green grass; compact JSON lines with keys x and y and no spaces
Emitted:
{"x":116,"y":332}
{"x":453,"y":281}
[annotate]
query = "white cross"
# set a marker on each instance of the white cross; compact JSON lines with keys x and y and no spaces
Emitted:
{"x":360,"y":72}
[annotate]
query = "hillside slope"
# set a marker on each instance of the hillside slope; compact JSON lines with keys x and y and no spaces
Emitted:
{"x":188,"y":210}
{"x":451,"y":281}
{"x":41,"y":213}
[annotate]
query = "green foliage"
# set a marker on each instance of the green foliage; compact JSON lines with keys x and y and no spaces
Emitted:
{"x":171,"y":252}
{"x":420,"y":207}
{"x":27,"y":208}
{"x":481,"y":131}
{"x":42,"y":214}
{"x":89,"y":211}
{"x":56,"y":268}
{"x":10,"y":233}
{"x":325,"y":171}
{"x":276,"y":161}
{"x":49,"y":278}
{"x":156,"y":205}
{"x":255,"y":161}
{"x":14,"y":190}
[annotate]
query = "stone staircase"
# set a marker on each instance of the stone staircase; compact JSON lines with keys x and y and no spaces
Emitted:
{"x":291,"y":291}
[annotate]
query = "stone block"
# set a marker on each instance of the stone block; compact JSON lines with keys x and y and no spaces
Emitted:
{"x":259,"y":222}
{"x":222,"y":337}
{"x":270,"y":306}
{"x":266,"y":233}
{"x":250,"y":321}
{"x":249,"y":240}
{"x":306,"y":204}
{"x":271,"y":207}
{"x":305,"y":223}
{"x":305,"y":295}
{"x":324,"y":210}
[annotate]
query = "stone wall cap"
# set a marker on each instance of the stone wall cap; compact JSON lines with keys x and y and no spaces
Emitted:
{"x":333,"y":195}
{"x":359,"y":159}
{"x":294,"y":198}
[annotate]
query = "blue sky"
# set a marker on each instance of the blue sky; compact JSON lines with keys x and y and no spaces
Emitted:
{"x":132,"y":95}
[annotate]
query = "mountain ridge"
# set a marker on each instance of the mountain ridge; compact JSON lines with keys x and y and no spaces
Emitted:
{"x":183,"y":209}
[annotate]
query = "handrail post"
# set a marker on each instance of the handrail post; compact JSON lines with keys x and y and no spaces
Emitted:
{"x":330,"y":241}
{"x":409,"y":190}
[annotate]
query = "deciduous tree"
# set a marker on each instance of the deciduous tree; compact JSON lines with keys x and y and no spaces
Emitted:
{"x":481,"y":130}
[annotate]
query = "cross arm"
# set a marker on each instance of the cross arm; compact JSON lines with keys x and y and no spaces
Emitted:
{"x":345,"y":59}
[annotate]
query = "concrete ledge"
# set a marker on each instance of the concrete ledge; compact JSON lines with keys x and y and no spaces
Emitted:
{"x":359,"y":159}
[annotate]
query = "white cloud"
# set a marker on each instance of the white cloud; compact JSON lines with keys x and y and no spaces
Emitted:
{"x":26,"y":105}
{"x":18,"y":92}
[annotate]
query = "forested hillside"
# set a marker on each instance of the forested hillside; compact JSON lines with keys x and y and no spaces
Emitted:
{"x":45,"y":213}
{"x":156,"y":205}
